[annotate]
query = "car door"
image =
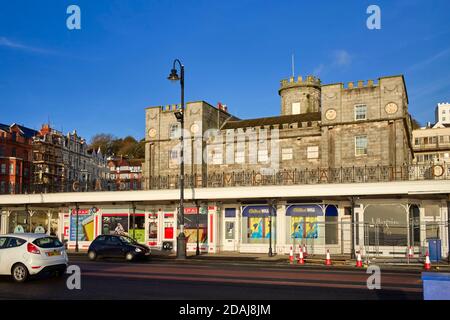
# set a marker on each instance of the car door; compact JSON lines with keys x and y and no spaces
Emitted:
{"x":115,"y":247}
{"x":11,"y":253}
{"x":3,"y":241}
{"x":100,"y":245}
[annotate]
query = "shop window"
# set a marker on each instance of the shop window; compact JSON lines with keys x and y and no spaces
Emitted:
{"x":196,"y":224}
{"x":256,"y":227}
{"x":414,"y":218}
{"x":115,"y":224}
{"x":137,"y":230}
{"x":19,"y":222}
{"x":331,"y":225}
{"x":39,"y":222}
{"x":386,"y":225}
{"x":302,"y":222}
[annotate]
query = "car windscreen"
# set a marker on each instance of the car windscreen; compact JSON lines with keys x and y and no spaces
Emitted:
{"x":127,"y":240}
{"x":48,"y":243}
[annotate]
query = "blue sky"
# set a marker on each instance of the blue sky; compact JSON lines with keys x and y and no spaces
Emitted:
{"x":100,"y":78}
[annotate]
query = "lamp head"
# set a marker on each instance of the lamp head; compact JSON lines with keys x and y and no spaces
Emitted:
{"x":179,"y":115}
{"x":173,"y":75}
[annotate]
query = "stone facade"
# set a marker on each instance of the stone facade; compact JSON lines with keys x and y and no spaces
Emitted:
{"x":328,"y":126}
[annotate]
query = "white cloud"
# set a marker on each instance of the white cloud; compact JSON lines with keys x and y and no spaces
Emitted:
{"x":5,"y":42}
{"x":342,"y":58}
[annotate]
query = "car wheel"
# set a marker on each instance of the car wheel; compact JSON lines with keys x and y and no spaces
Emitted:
{"x":60,"y":273}
{"x":19,"y":272}
{"x":92,"y":255}
{"x":129,"y":256}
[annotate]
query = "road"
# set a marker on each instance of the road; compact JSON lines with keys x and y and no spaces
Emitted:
{"x":171,"y":279}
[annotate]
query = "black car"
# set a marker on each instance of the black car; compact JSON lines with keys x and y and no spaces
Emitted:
{"x":117,"y":246}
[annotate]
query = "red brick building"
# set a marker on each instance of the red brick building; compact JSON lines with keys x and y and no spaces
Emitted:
{"x":16,"y":158}
{"x":125,"y":174}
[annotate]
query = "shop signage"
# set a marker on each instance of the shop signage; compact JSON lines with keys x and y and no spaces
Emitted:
{"x":304,"y":210}
{"x":257,"y":211}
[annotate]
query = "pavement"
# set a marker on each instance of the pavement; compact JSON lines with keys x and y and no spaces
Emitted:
{"x":165,"y":278}
{"x":338,"y":261}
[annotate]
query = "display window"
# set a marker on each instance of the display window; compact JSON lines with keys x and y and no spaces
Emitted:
{"x":19,"y":222}
{"x":115,"y":224}
{"x":256,"y":224}
{"x":137,"y":230}
{"x":196,"y":224}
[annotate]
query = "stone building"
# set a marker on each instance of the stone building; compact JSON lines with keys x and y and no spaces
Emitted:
{"x":320,"y":126}
{"x":63,"y":163}
{"x":15,"y":158}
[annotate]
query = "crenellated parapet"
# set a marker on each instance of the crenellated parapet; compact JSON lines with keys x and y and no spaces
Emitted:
{"x":309,"y":81}
{"x":360,"y":84}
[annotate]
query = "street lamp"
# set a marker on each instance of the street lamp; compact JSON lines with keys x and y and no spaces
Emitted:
{"x":179,"y":114}
{"x":271,"y":203}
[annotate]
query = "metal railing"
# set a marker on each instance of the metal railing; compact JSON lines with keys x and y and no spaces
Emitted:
{"x":365,"y":174}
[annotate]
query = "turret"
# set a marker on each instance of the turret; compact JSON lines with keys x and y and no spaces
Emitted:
{"x":300,"y":96}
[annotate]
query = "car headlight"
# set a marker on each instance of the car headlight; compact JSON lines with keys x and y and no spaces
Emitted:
{"x":137,"y":250}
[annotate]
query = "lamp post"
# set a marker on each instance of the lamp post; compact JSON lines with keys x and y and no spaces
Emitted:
{"x":271,"y":203}
{"x":76,"y":227}
{"x":179,"y":114}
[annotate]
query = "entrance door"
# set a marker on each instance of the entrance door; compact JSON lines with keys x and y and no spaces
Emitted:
{"x":229,"y":241}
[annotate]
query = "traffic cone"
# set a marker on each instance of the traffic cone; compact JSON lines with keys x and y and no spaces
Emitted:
{"x":305,"y":250}
{"x":410,"y":252}
{"x":300,"y":257}
{"x":427,"y":265}
{"x":291,"y":256}
{"x":359,"y":260}
{"x":328,"y":260}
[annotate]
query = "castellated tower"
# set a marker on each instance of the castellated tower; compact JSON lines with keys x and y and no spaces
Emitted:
{"x":300,"y":96}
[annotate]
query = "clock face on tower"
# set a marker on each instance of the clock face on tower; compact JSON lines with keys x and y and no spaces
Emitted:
{"x":152,"y":132}
{"x":391,"y":108}
{"x":330,"y":114}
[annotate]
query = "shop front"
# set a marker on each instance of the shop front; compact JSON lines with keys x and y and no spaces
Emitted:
{"x":258,"y":228}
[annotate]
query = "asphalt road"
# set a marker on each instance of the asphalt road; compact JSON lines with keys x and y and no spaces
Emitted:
{"x":171,"y":279}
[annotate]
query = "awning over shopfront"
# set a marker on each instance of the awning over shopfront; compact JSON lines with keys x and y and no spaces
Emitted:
{"x":257,"y":211}
{"x":301,"y":210}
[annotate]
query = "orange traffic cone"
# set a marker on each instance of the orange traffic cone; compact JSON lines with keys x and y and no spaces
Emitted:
{"x":427,"y":265}
{"x":305,"y":250}
{"x":359,"y":260}
{"x":291,"y":256}
{"x":410,"y":252}
{"x":328,"y":260}
{"x":300,"y":257}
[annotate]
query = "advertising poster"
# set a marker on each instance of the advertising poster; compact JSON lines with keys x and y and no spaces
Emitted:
{"x":256,"y":227}
{"x":138,"y":230}
{"x":85,"y":226}
{"x":304,"y":228}
{"x":115,"y":224}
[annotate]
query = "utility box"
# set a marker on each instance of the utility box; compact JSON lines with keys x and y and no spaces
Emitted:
{"x":434,"y":248}
{"x":436,"y":286}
